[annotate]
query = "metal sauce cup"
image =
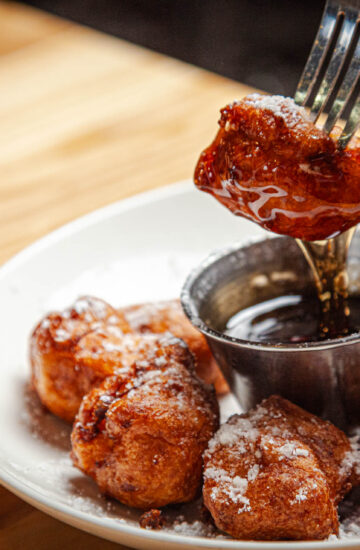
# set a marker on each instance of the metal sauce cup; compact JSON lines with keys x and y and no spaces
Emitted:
{"x":323,"y":377}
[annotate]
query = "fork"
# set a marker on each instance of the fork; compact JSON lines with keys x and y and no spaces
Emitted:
{"x":340,"y":19}
{"x":336,"y":50}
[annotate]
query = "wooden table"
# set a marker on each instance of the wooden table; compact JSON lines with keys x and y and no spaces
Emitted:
{"x":86,"y":119}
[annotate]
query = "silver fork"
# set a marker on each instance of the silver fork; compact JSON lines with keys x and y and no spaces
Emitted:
{"x":340,"y":16}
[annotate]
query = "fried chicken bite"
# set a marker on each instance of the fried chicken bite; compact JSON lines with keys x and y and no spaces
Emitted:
{"x":272,"y":165}
{"x":141,"y":434}
{"x":277,"y":472}
{"x":164,"y":316}
{"x":57,"y":377}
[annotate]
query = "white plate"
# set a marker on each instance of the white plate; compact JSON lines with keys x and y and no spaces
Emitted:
{"x":138,"y":249}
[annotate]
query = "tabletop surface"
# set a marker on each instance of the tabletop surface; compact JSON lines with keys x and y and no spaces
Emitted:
{"x":86,"y":119}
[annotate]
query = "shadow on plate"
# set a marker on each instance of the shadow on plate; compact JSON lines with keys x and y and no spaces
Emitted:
{"x":43,"y":424}
{"x":86,"y":495}
{"x":189,"y":518}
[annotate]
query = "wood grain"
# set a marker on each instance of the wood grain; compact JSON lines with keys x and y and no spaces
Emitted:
{"x":85,"y":120}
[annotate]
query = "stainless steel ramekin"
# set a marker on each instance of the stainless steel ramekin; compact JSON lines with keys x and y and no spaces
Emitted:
{"x":323,"y":377}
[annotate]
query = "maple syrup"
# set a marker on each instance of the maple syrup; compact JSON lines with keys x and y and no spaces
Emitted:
{"x":289,"y":319}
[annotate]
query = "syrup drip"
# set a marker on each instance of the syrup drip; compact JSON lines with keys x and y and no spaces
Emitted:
{"x":327,"y":261}
{"x":295,"y":318}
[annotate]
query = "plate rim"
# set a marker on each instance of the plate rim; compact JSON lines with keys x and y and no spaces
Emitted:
{"x":64,"y":512}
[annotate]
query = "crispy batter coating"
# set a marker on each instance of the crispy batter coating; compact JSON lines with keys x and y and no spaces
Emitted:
{"x":160,"y":317}
{"x":141,"y":434}
{"x":270,"y":164}
{"x":110,"y":350}
{"x":277,"y":472}
{"x":73,"y":351}
{"x":56,"y":375}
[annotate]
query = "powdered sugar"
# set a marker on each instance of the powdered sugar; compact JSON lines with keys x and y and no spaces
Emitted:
{"x":45,"y":323}
{"x":233,"y":486}
{"x":61,"y":335}
{"x":160,"y":361}
{"x":110,"y":346}
{"x":240,"y":458}
{"x":351,"y":460}
{"x":97,"y":307}
{"x":301,"y":495}
{"x":82,"y":494}
{"x":253,"y":472}
{"x":292,"y":450}
{"x":233,"y":433}
{"x":280,"y":106}
{"x":195,"y":528}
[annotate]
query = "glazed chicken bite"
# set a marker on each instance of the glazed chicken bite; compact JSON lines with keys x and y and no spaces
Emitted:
{"x":272,"y":165}
{"x":56,"y":376}
{"x":277,"y":472}
{"x":168,"y":316}
{"x":142,"y":433}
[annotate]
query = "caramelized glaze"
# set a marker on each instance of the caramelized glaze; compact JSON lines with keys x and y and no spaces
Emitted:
{"x":272,"y":165}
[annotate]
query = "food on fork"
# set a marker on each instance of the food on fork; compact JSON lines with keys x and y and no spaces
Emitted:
{"x":168,"y":316}
{"x":272,"y":165}
{"x":141,"y":433}
{"x":277,"y":472}
{"x":56,"y":375}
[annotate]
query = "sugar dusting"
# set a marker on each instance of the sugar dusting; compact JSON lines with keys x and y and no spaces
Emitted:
{"x":243,"y":439}
{"x":351,"y":460}
{"x":80,"y":493}
{"x":291,"y":450}
{"x":196,"y":528}
{"x":238,"y":433}
{"x":349,"y":512}
{"x":232,"y":485}
{"x":280,"y":106}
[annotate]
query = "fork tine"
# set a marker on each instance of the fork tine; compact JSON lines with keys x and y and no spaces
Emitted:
{"x":347,"y":88}
{"x":318,"y":53}
{"x":336,"y":63}
{"x":351,"y":126}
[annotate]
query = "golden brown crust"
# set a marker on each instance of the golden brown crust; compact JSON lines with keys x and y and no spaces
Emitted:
{"x":69,"y":350}
{"x":141,"y":434}
{"x":272,"y":165}
{"x":56,"y":375}
{"x":110,"y":350}
{"x":160,"y":317}
{"x":276,"y":473}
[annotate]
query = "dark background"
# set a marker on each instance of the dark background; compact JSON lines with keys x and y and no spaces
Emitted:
{"x":263,"y":43}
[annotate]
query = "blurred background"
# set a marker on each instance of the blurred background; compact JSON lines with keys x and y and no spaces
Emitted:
{"x":88,"y":119}
{"x":80,"y":107}
{"x":262,"y":43}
